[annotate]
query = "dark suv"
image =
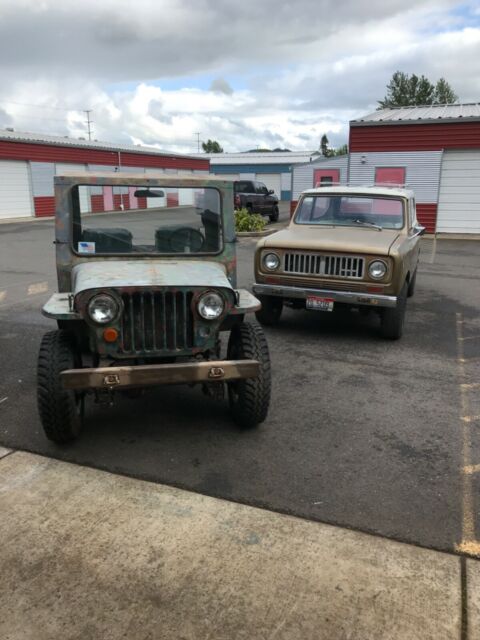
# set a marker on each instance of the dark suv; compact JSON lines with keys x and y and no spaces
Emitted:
{"x":255,"y":197}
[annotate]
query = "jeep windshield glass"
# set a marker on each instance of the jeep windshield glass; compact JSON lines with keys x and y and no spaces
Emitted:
{"x":351,"y":211}
{"x":146,"y":220}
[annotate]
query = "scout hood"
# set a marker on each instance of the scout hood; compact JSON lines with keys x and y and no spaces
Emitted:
{"x":338,"y":239}
{"x":142,"y":273}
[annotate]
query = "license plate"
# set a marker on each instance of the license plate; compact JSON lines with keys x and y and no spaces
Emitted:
{"x":319,"y":304}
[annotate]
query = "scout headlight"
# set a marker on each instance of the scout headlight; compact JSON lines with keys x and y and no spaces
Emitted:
{"x":377,"y":269}
{"x":271,"y":261}
{"x":210,"y":305}
{"x":102,"y":308}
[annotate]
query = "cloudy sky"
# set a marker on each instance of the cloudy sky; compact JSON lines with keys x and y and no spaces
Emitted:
{"x":252,"y":73}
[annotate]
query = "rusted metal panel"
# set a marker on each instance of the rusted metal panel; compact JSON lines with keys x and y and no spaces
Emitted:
{"x":159,"y":374}
{"x":154,"y":273}
{"x":247,"y":303}
{"x":59,"y":307}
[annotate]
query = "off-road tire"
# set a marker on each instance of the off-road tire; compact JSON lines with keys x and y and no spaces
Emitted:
{"x":411,"y":284}
{"x":392,"y":319}
{"x":274,"y":215}
{"x":249,"y":398}
{"x":60,"y":410}
{"x":271,"y":310}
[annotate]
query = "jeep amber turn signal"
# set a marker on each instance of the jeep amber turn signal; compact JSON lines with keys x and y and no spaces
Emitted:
{"x":110,"y":334}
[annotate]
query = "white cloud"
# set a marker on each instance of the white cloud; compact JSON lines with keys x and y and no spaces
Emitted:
{"x":305,"y":68}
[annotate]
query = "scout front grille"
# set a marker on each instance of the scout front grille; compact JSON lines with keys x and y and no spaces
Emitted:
{"x":154,"y":321}
{"x":313,"y":264}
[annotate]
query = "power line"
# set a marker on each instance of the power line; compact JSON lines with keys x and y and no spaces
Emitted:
{"x":39,"y":106}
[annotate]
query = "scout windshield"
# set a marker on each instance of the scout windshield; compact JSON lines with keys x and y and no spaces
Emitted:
{"x":147,"y":220}
{"x":342,"y":210}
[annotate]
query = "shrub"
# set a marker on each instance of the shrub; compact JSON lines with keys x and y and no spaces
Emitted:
{"x":246,"y":221}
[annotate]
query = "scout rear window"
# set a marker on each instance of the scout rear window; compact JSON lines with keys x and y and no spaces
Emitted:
{"x":146,"y":220}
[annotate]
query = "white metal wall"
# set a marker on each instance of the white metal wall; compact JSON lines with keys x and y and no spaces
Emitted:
{"x":303,"y":173}
{"x":272,"y":181}
{"x":459,"y":198}
{"x":15,"y":190}
{"x":422,"y":170}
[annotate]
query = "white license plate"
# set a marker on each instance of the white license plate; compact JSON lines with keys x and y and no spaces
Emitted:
{"x":319,"y":304}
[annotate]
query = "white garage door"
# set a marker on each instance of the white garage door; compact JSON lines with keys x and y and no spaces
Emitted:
{"x":459,"y":199}
{"x":15,"y":190}
{"x":272,"y":180}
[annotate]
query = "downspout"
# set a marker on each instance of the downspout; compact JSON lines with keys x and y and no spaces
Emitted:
{"x":122,"y":206}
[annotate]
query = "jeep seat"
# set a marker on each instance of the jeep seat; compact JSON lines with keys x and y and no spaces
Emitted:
{"x":111,"y":240}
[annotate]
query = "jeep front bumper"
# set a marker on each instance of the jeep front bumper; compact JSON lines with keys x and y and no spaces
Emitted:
{"x":159,"y":374}
{"x":346,"y":297}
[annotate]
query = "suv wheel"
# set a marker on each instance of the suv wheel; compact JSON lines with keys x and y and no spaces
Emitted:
{"x":411,"y":284}
{"x":392,"y":320}
{"x":271,"y":310}
{"x":249,"y":399}
{"x":274,"y":215}
{"x":249,"y":208}
{"x":61,"y":411}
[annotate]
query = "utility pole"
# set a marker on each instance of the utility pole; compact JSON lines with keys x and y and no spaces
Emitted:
{"x":197,"y":133}
{"x":89,"y":122}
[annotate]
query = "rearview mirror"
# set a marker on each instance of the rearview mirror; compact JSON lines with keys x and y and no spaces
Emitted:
{"x":149,"y":193}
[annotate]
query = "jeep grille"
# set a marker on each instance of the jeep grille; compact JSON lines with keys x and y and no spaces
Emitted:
{"x":157,"y":321}
{"x":324,"y":265}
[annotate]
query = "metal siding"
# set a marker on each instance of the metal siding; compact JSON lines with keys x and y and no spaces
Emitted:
{"x":38,"y":152}
{"x":422,"y":170}
{"x":44,"y":206}
{"x":15,"y":190}
{"x":459,"y":199}
{"x":249,"y":168}
{"x":303,"y":174}
{"x":42,"y":178}
{"x":414,"y":137}
{"x":272,"y":181}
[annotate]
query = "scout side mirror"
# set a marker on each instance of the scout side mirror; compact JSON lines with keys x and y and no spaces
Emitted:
{"x":148,"y":193}
{"x":419,"y":231}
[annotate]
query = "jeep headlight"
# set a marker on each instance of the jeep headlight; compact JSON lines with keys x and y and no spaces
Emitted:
{"x":102,"y":308}
{"x":210,"y":305}
{"x":377,"y":269}
{"x":271,"y":261}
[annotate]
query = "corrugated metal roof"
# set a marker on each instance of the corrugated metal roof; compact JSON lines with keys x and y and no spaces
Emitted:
{"x":431,"y":112}
{"x":65,"y":141}
{"x":266,"y":157}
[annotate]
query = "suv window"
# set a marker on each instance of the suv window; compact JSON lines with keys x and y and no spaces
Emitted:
{"x":244,"y":186}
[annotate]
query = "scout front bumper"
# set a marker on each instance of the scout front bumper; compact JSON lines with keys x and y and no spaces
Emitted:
{"x":346,"y":297}
{"x":158,"y":374}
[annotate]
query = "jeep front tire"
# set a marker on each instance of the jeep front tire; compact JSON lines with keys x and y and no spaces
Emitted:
{"x":249,"y":398}
{"x":61,"y":411}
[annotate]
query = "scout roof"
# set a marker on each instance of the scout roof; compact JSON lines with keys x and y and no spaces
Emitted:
{"x":349,"y":190}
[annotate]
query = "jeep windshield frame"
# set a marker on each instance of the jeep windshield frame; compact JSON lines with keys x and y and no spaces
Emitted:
{"x":106,"y":240}
{"x":351,"y":210}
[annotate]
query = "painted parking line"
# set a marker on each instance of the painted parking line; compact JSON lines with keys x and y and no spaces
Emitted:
{"x":38,"y":287}
{"x":3,"y":295}
{"x":469,"y":544}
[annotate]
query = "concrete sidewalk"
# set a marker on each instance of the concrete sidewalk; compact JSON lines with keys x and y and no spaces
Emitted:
{"x":90,"y":555}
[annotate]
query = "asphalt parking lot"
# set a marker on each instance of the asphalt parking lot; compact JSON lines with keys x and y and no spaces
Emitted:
{"x":373,"y":435}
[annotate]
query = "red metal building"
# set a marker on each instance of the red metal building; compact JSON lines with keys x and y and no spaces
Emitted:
{"x":28,"y":163}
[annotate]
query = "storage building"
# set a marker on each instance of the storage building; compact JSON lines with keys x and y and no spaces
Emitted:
{"x":29,"y":161}
{"x":320,"y":171}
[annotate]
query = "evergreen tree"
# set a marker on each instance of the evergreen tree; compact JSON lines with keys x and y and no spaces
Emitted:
{"x":211,"y":146}
{"x":405,"y":90}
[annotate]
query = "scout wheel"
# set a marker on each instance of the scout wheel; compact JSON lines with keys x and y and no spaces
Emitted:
{"x":271,"y":310}
{"x":61,"y":411}
{"x":393,"y":319}
{"x":249,"y":398}
{"x":411,"y":284}
{"x":274,"y":215}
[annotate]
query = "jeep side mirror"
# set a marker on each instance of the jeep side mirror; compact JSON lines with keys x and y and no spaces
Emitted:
{"x":149,"y":193}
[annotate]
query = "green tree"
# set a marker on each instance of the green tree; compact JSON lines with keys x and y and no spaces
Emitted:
{"x":405,"y":90}
{"x":324,"y":148}
{"x":341,"y":151}
{"x":212,"y":146}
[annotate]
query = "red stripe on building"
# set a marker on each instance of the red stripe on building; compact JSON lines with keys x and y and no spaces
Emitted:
{"x":427,"y":216}
{"x":54,"y":153}
{"x":415,"y":137}
{"x":121,"y":199}
{"x":44,"y":206}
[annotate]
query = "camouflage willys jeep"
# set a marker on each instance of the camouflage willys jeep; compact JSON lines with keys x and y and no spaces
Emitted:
{"x":147,"y":282}
{"x":345,"y":246}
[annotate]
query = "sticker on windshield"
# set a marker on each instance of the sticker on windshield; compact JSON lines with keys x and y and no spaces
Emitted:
{"x":86,"y":247}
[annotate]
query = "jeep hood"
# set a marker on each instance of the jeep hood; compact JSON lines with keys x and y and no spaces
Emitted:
{"x":338,"y":239}
{"x":143,"y":273}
